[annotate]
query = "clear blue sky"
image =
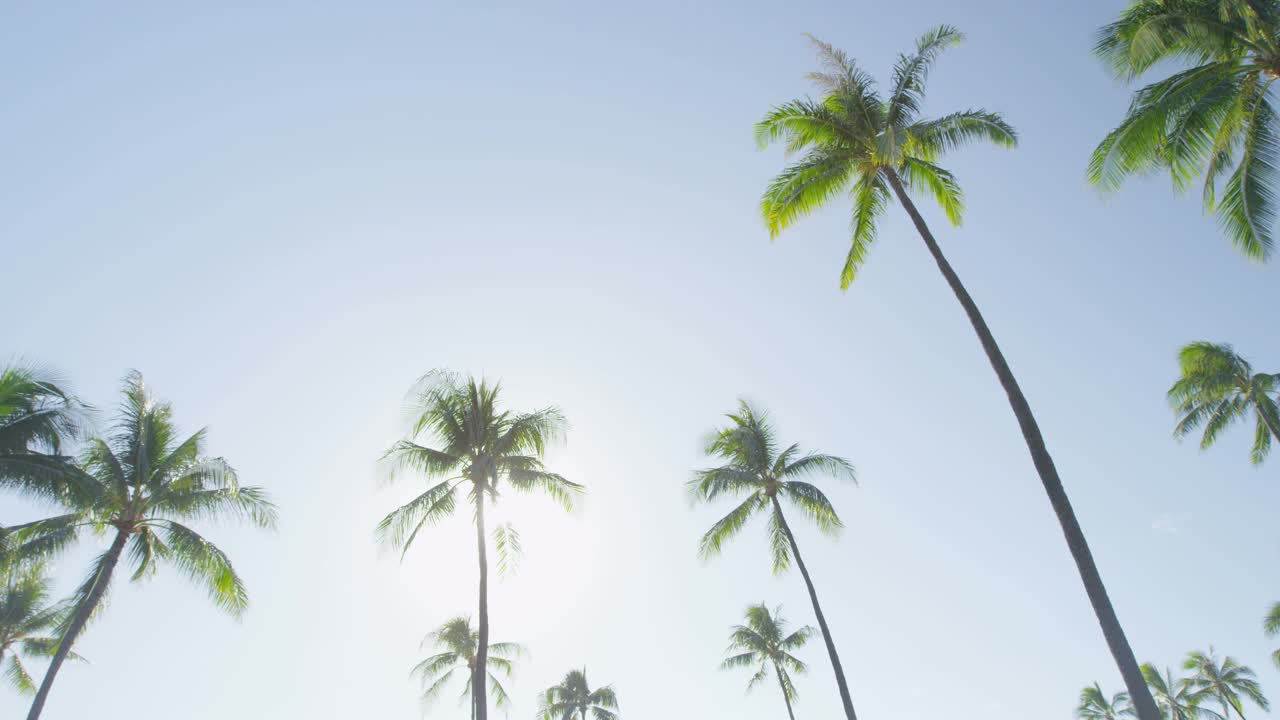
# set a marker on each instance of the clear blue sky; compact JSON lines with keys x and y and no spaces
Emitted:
{"x":282,"y":216}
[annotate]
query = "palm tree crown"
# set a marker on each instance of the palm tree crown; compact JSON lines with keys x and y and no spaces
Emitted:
{"x":573,"y":698}
{"x":478,"y":445}
{"x":1094,"y":705}
{"x":457,"y":640}
{"x":28,"y":625}
{"x":37,"y":418}
{"x":764,"y":643}
{"x":1176,"y":699}
{"x":1271,"y":624}
{"x":855,"y":140}
{"x":1213,"y":119}
{"x":756,"y":468}
{"x":1225,"y":680}
{"x":1218,"y":388}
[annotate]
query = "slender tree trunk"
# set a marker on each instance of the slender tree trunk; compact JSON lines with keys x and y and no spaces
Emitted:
{"x":845,"y":699}
{"x":478,"y":695}
{"x":1097,"y":592}
{"x":785,"y":695}
{"x":78,"y":622}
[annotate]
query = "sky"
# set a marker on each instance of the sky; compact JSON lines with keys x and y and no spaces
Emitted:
{"x":283,"y":214}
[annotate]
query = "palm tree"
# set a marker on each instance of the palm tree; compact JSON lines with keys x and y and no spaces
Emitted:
{"x":479,"y":445}
{"x":1226,"y":681}
{"x":26,"y":621}
{"x":1175,"y":698}
{"x":145,"y":480}
{"x":764,"y":642}
{"x":1094,"y":705}
{"x":757,"y":469}
{"x":456,"y":640}
{"x":1217,"y":388}
{"x":878,"y":149}
{"x":1214,"y":118}
{"x":573,"y":697}
{"x":37,"y":419}
{"x":1271,"y":624}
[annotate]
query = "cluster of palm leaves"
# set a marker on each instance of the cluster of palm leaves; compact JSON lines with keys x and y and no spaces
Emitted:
{"x":140,"y":483}
{"x":1213,"y":689}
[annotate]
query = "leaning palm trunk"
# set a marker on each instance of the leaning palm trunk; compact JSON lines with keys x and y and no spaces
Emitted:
{"x":1111,"y":629}
{"x":845,"y":699}
{"x":78,"y":621}
{"x":786,"y":696}
{"x":478,"y":697}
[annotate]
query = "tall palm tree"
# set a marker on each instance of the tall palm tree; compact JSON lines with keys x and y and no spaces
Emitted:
{"x":478,"y":447}
{"x":37,"y":420}
{"x":1095,"y":705}
{"x":1176,"y":699}
{"x":573,"y":699}
{"x":876,"y":148}
{"x":457,"y":640}
{"x":146,"y":481}
{"x":1226,"y":681}
{"x":755,"y":468}
{"x":1213,"y":119}
{"x":1271,"y":624}
{"x":1218,"y":388}
{"x":28,"y":623}
{"x":764,"y":642}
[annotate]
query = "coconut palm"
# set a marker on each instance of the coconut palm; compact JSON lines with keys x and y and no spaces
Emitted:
{"x":147,"y":482}
{"x":1175,"y":698}
{"x":573,"y":699}
{"x":1224,"y":680}
{"x":456,"y":640}
{"x":1218,"y":388}
{"x":28,"y":624}
{"x":878,"y":148}
{"x":756,"y":469}
{"x":1095,"y":705}
{"x":764,"y":643}
{"x":478,"y":447}
{"x":37,"y":419}
{"x":1213,"y":119}
{"x":1271,"y":624}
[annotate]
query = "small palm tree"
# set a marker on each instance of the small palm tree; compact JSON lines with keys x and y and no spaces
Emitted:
{"x":478,"y":447}
{"x":1176,"y":699}
{"x":1271,"y":624}
{"x":145,"y":479}
{"x":764,"y":642}
{"x":757,"y":469}
{"x":1215,"y":119}
{"x":877,"y":149}
{"x":1226,"y":681}
{"x":1094,"y":705}
{"x":1218,"y":388}
{"x":456,"y":640}
{"x":28,"y":623}
{"x":573,"y":699}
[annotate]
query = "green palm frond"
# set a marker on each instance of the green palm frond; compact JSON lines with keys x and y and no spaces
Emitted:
{"x":729,"y":526}
{"x":1218,"y":388}
{"x":911,"y":72}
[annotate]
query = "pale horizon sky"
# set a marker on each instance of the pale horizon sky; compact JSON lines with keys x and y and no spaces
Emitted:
{"x":283,"y":215}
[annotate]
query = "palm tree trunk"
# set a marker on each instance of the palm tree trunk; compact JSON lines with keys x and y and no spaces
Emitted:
{"x":1097,"y":592}
{"x":78,"y":621}
{"x":845,"y":699}
{"x":785,"y":695}
{"x":478,"y":696}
